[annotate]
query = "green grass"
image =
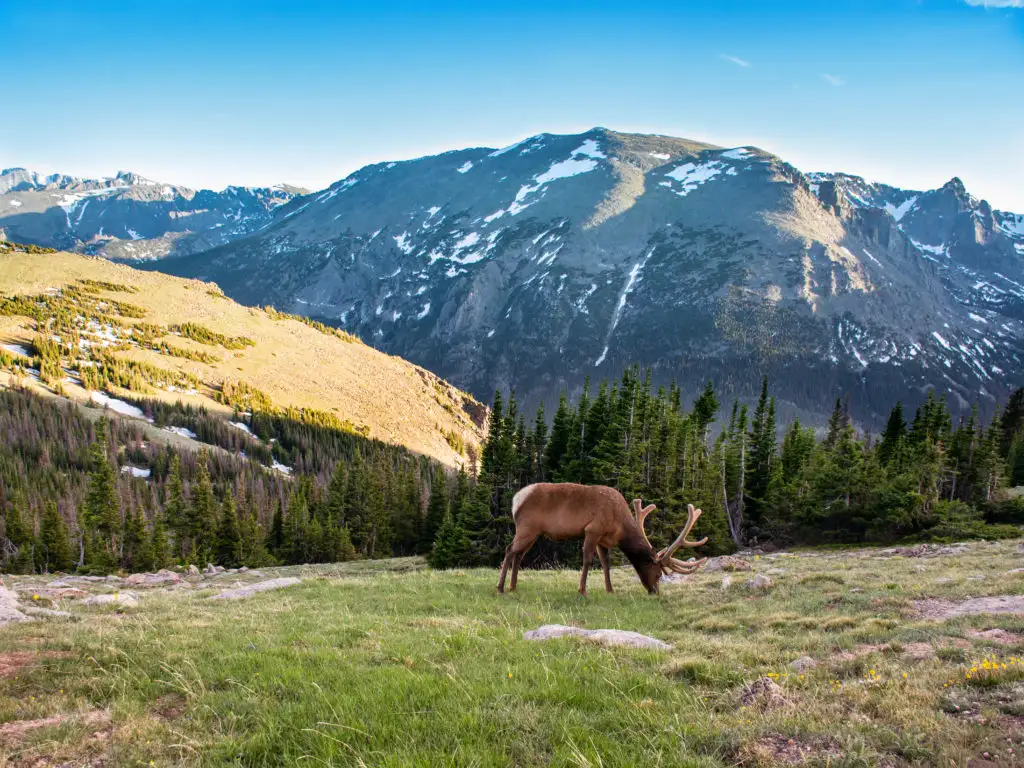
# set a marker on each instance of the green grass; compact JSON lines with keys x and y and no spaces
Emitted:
{"x":385,"y":663}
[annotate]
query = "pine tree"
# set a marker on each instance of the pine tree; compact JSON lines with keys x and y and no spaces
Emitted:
{"x":54,"y":542}
{"x":893,"y":436}
{"x":202,"y":514}
{"x":762,"y":451}
{"x":176,"y":514}
{"x":437,"y":508}
{"x":101,"y":512}
{"x":452,"y":547}
{"x":1011,"y":424}
{"x":275,"y":537}
{"x":133,"y":545}
{"x":704,"y":410}
{"x":229,"y":552}
{"x":159,"y":551}
{"x":556,"y":450}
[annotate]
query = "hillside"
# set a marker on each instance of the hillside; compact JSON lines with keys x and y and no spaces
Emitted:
{"x":89,"y":324}
{"x":129,"y":217}
{"x":537,"y":265}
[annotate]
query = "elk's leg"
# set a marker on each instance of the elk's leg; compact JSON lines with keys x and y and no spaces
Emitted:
{"x":589,"y":550}
{"x":516,"y":562}
{"x":513,"y":556}
{"x":602,"y":552}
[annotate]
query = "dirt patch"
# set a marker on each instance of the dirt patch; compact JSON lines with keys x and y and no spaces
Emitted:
{"x":764,"y":694}
{"x":781,"y":750}
{"x":15,"y":661}
{"x":1000,"y":636}
{"x":947,"y":609}
{"x":169,"y":707}
{"x":18,"y":728}
{"x":919,"y":651}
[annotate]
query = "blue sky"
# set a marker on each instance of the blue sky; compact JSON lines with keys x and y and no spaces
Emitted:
{"x":911,"y":92}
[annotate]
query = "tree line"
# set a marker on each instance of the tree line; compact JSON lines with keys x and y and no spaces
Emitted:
{"x":923,"y":478}
{"x":98,"y":495}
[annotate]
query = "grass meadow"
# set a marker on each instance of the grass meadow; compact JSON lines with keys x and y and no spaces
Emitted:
{"x":390,"y":664}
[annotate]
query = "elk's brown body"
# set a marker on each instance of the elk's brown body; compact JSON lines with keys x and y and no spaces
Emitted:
{"x":602,"y":517}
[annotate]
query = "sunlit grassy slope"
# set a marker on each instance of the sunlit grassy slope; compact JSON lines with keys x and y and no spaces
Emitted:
{"x":292,"y":362}
{"x":386,"y":664}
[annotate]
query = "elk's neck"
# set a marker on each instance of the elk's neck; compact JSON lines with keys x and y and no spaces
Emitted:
{"x":636,"y":549}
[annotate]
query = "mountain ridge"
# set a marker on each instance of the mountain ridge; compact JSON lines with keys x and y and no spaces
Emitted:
{"x":532,"y":266}
{"x":128,"y":216}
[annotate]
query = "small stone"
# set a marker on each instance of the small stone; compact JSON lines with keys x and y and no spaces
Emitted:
{"x":763,"y":693}
{"x":803,"y":664}
{"x":760,"y":581}
{"x":210,"y":569}
{"x":726,"y":582}
{"x":126,"y":599}
{"x":193,"y":571}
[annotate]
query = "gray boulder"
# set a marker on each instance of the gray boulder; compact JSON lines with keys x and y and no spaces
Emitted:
{"x":10,"y":610}
{"x":160,"y":578}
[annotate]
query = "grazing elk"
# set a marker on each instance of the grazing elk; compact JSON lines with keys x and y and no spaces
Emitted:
{"x":601,"y":516}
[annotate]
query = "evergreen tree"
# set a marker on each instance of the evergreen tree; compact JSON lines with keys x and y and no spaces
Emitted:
{"x":176,"y":513}
{"x":437,"y":508}
{"x":159,"y":555}
{"x":275,"y":538}
{"x":229,"y":552}
{"x":101,"y":512}
{"x":452,"y":548}
{"x":54,"y":542}
{"x":202,"y":514}
{"x":893,"y":436}
{"x":133,"y":545}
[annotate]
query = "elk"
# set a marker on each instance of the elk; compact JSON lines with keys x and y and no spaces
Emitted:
{"x":602,"y":517}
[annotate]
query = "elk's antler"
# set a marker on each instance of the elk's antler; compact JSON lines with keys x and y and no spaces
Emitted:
{"x":670,"y":563}
{"x":641,"y":516}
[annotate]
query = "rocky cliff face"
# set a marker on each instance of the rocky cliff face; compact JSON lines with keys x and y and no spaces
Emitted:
{"x":565,"y":257}
{"x":128,"y":217}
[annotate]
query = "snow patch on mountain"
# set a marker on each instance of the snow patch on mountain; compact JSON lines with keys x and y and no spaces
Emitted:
{"x":693,"y":175}
{"x":631,"y":281}
{"x":901,"y":210}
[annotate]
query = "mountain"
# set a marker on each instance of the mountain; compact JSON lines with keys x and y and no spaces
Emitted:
{"x":129,"y":217}
{"x":86,"y":328}
{"x":559,"y":258}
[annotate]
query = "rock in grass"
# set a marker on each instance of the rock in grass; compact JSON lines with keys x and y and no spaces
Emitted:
{"x":126,"y":599}
{"x":614,"y":637}
{"x":48,"y":613}
{"x":727,"y":563}
{"x":157,"y":579}
{"x":760,"y":581}
{"x":803,"y":664}
{"x":10,"y":611}
{"x":263,"y":586}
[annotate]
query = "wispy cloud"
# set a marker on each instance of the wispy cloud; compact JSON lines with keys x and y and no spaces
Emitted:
{"x":735,"y":60}
{"x":997,"y":3}
{"x":833,"y":80}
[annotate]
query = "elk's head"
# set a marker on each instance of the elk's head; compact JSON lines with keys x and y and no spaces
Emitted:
{"x":663,"y":562}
